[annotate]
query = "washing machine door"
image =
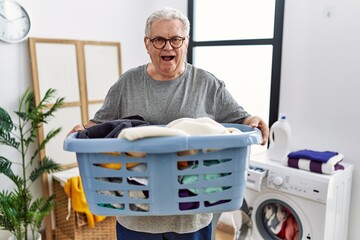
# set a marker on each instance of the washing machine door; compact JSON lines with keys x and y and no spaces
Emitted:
{"x":274,"y":217}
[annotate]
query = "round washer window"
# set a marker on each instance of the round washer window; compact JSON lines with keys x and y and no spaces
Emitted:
{"x":275,"y":219}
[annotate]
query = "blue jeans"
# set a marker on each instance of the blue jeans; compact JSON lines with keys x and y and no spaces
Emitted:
{"x":123,"y":233}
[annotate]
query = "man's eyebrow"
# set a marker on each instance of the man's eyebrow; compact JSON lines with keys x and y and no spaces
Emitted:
{"x":165,"y":37}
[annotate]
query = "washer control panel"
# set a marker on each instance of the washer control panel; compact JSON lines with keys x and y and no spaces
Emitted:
{"x":298,"y":186}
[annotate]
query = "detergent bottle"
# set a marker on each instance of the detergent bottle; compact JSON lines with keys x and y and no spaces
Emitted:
{"x":280,"y":133}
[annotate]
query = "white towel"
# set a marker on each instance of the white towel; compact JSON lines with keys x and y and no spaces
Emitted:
{"x":179,"y":127}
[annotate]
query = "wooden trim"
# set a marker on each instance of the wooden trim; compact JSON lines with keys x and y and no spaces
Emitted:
{"x":115,"y":44}
{"x":95,"y":101}
{"x":83,"y":102}
{"x":82,"y":83}
{"x":36,"y":89}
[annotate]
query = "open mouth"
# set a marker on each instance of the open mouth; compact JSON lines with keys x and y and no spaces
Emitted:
{"x":167,"y":58}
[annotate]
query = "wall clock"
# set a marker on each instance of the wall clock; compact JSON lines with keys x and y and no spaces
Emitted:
{"x":14,"y":22}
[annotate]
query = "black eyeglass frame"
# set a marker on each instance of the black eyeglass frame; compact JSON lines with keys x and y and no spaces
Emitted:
{"x":167,"y":40}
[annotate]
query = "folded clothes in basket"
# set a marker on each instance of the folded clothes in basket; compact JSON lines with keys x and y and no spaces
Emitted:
{"x":180,"y":127}
{"x":326,"y":162}
{"x":111,"y":129}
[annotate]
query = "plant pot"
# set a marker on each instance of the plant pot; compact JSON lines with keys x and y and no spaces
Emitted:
{"x":38,"y":237}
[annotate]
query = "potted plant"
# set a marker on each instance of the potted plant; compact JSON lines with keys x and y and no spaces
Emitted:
{"x":20,"y":212}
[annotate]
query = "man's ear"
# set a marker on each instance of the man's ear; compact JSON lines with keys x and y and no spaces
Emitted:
{"x":187,"y":42}
{"x":146,"y":42}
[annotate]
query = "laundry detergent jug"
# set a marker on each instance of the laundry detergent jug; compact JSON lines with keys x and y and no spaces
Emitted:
{"x":280,"y":133}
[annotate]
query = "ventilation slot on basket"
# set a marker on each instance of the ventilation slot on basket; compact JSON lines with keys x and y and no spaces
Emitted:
{"x":136,"y":166}
{"x":184,"y":165}
{"x":194,"y":178}
{"x":117,"y":206}
{"x":215,"y":176}
{"x":187,"y":153}
{"x":117,"y":193}
{"x":138,"y":181}
{"x":214,"y":203}
{"x":139,"y":207}
{"x":188,"y":179}
{"x":183,"y":206}
{"x":213,"y":162}
{"x":136,"y":154}
{"x":115,"y":166}
{"x":110,"y":179}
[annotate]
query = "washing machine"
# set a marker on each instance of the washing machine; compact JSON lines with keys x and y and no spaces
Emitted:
{"x":299,"y":204}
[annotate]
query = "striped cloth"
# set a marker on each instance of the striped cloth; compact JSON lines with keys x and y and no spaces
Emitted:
{"x":313,"y":161}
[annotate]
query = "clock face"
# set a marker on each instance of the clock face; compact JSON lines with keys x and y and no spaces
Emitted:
{"x":14,"y":22}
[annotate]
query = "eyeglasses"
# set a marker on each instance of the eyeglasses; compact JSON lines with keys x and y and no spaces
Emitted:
{"x":160,"y":42}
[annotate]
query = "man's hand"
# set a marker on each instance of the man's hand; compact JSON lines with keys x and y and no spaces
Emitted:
{"x":80,"y":127}
{"x":257,"y":122}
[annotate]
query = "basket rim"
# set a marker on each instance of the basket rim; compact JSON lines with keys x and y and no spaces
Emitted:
{"x":249,"y":136}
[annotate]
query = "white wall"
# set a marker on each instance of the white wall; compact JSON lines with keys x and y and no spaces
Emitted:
{"x":320,"y":71}
{"x":111,"y":20}
{"x":320,"y":82}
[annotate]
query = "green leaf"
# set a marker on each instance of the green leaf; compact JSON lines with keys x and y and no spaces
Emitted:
{"x":51,"y":134}
{"x":40,"y":208}
{"x":47,"y":166}
{"x":6,"y":124}
{"x":5,"y":168}
{"x":7,"y":139}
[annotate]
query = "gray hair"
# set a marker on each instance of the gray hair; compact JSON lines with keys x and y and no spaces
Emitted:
{"x":167,"y":14}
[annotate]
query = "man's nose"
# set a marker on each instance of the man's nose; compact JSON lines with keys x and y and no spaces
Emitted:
{"x":168,"y":45}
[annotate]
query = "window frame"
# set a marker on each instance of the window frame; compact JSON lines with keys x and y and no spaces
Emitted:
{"x":276,"y":42}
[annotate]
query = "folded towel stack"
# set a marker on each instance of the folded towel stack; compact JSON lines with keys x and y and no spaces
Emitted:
{"x":326,"y":162}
